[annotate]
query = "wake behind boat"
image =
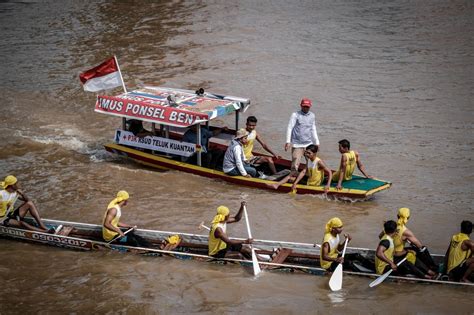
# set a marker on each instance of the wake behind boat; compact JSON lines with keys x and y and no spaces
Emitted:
{"x":290,"y":257}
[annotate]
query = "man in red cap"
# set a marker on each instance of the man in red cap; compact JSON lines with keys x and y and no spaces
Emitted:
{"x":301,"y":132}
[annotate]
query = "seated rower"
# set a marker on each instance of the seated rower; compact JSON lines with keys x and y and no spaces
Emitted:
{"x":248,"y":147}
{"x":234,"y":159}
{"x":384,"y":252}
{"x":349,"y":159}
{"x":14,"y":218}
{"x":458,"y":259}
{"x":315,"y":169}
{"x":420,"y":256}
{"x":170,"y":242}
{"x":111,"y":223}
{"x":220,"y":245}
{"x":332,"y":247}
{"x":384,"y":255}
{"x":135,"y":126}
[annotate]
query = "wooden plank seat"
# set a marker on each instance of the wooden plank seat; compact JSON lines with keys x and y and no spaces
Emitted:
{"x":65,"y":230}
{"x":279,"y":257}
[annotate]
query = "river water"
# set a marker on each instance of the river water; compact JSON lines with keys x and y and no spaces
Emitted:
{"x":395,"y":78}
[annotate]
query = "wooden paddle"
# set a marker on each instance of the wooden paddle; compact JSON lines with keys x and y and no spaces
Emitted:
{"x":256,"y":266}
{"x":202,"y":226}
{"x":118,"y":236}
{"x":335,"y":283}
{"x":381,"y":279}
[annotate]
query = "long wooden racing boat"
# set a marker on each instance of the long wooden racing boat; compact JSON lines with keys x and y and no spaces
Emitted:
{"x":171,"y":111}
{"x":291,"y":256}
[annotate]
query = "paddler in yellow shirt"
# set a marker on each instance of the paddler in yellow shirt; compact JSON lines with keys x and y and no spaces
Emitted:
{"x":332,"y":245}
{"x":248,"y":147}
{"x":384,"y":259}
{"x":418,"y":255}
{"x":14,"y":217}
{"x":220,"y":245}
{"x":111,"y":223}
{"x":386,"y":254}
{"x":349,"y":160}
{"x":459,"y":260}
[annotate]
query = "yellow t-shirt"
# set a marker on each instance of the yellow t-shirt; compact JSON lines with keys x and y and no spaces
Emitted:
{"x":107,"y":234}
{"x":456,"y":255}
{"x":380,"y":264}
{"x":315,"y":175}
{"x":216,"y":244}
{"x":333,"y":242}
{"x":397,"y":238}
{"x":248,"y":148}
{"x":351,"y":162}
{"x":6,"y":201}
{"x":400,"y":245}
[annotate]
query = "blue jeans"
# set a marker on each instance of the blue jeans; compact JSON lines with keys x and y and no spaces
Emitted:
{"x":249,"y":169}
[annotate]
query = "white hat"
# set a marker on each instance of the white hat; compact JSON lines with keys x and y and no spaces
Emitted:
{"x":241,"y":133}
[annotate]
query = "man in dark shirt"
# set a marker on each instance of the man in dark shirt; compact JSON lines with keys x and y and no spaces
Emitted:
{"x":135,"y":126}
{"x":209,"y":157}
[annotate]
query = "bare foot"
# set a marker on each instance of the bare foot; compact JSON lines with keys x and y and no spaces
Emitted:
{"x":465,"y":280}
{"x":273,"y":186}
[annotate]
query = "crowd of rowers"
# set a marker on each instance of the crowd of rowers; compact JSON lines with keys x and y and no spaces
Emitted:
{"x":399,"y":249}
{"x":301,"y":137}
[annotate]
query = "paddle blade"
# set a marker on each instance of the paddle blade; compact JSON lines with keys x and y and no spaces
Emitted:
{"x":335,"y":283}
{"x":256,"y":266}
{"x":380,"y":279}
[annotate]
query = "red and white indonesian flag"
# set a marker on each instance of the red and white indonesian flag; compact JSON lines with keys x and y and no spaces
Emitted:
{"x":104,"y":76}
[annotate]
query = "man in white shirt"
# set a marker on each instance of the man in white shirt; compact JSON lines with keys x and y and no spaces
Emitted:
{"x":234,"y":159}
{"x":301,"y":132}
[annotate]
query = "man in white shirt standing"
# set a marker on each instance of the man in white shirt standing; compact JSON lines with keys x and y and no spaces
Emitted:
{"x":234,"y":158}
{"x":301,"y":132}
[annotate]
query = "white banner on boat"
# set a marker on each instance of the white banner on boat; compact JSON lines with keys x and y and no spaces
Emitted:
{"x":155,"y":143}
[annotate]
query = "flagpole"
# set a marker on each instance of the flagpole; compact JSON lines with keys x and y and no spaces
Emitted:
{"x":120,"y":72}
{"x":124,"y":120}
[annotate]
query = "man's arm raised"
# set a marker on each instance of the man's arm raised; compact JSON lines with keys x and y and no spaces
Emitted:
{"x":238,"y":216}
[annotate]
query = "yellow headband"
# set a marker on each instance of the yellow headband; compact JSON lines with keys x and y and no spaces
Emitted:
{"x":173,"y":239}
{"x":222,"y":212}
{"x":333,"y":223}
{"x":403,"y":215}
{"x":9,"y":180}
{"x":121,"y":196}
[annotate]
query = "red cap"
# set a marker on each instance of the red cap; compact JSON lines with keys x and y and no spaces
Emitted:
{"x":306,"y":102}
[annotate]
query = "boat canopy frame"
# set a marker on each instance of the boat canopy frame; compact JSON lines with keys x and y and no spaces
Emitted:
{"x":170,"y":107}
